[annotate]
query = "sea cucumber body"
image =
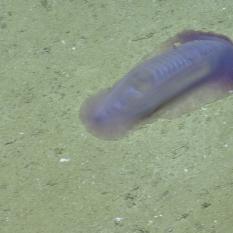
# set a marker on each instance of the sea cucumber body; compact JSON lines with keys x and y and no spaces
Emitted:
{"x":154,"y":82}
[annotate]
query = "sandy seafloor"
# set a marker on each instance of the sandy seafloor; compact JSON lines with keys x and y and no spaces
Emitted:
{"x":168,"y":176}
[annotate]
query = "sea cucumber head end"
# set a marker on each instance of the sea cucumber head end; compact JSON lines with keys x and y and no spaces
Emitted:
{"x":99,"y":121}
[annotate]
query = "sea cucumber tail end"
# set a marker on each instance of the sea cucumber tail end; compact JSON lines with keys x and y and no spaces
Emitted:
{"x":191,"y":35}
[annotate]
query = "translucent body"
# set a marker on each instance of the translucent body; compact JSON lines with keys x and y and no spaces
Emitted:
{"x":148,"y":86}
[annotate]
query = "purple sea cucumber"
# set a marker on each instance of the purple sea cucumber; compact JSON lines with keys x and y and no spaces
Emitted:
{"x":194,"y":60}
